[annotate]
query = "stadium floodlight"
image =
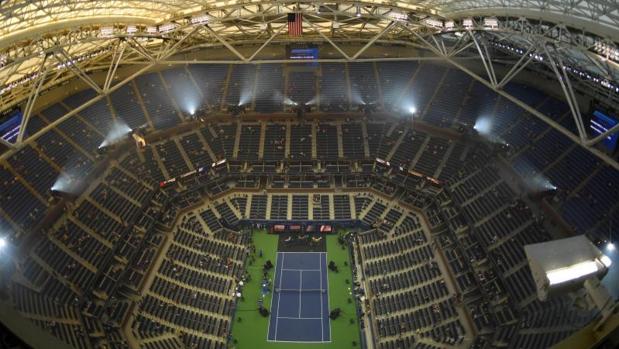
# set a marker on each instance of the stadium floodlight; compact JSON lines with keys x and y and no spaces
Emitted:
{"x":610,"y":246}
{"x":412,"y":110}
{"x":483,"y":125}
{"x":3,"y":243}
{"x":434,"y":23}
{"x":151,"y":30}
{"x":202,"y":18}
{"x":358,"y":11}
{"x":397,"y":15}
{"x":117,"y":131}
{"x":467,"y":23}
{"x":449,"y":25}
{"x":167,"y":28}
{"x":575,"y":271}
{"x":106,"y":32}
{"x":131,"y":29}
{"x":491,"y":23}
{"x":289,"y":102}
{"x":565,"y":265}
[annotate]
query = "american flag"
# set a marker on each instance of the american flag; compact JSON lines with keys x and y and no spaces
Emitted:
{"x":295,"y":24}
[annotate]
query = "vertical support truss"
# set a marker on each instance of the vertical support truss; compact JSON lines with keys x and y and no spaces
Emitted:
{"x":517,"y":68}
{"x":266,"y":43}
{"x":373,"y":40}
{"x":327,"y":39}
{"x":243,"y":25}
{"x":114,"y":62}
{"x":78,"y":109}
{"x":43,"y":69}
{"x":225,"y":43}
{"x":564,"y":80}
{"x":562,"y":76}
{"x":486,"y":60}
{"x":73,"y":65}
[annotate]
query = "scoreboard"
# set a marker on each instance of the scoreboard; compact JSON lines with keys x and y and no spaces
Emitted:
{"x":302,"y":53}
{"x":602,"y":122}
{"x":10,"y":125}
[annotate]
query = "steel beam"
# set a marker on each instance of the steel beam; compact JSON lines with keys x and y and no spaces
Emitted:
{"x":171,"y":50}
{"x":600,"y":137}
{"x":77,"y":70}
{"x":76,"y":110}
{"x":339,"y":49}
{"x":114,"y":62}
{"x":485,"y":59}
{"x":601,"y":155}
{"x":225,"y":43}
{"x":276,"y":33}
{"x":517,"y":68}
{"x":32,"y":99}
{"x":8,"y":145}
{"x":137,"y":47}
{"x":564,"y":80}
{"x":373,"y":40}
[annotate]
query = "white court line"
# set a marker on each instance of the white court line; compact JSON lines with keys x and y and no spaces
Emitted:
{"x":322,"y":254}
{"x":302,"y":342}
{"x":299,"y":252}
{"x":322,"y":327}
{"x":278,"y":297}
{"x":299,"y":318}
{"x":328,"y":309}
{"x":300,"y":288}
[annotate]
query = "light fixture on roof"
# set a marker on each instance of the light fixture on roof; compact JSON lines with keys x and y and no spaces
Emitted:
{"x":610,"y":246}
{"x":491,"y":23}
{"x":564,"y":265}
{"x":202,"y":18}
{"x":168,"y":27}
{"x":106,"y":32}
{"x":467,"y":23}
{"x":3,"y":243}
{"x":606,"y":50}
{"x":151,"y":30}
{"x":449,"y":25}
{"x":397,"y":15}
{"x":434,"y":23}
{"x":132,"y":29}
{"x":358,"y":11}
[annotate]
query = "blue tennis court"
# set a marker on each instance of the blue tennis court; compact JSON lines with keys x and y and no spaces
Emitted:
{"x":300,"y":305}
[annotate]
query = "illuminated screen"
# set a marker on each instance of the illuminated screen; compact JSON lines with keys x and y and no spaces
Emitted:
{"x":303,"y":53}
{"x":9,"y":125}
{"x":600,"y":123}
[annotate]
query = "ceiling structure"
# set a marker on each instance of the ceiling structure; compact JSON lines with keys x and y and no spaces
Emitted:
{"x":44,"y":43}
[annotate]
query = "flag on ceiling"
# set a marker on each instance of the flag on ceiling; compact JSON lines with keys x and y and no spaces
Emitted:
{"x":295,"y":24}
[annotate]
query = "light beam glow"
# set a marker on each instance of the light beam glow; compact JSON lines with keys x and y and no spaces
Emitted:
{"x":483,"y":125}
{"x":289,"y":102}
{"x":356,"y":98}
{"x":312,"y":101}
{"x":117,"y":131}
